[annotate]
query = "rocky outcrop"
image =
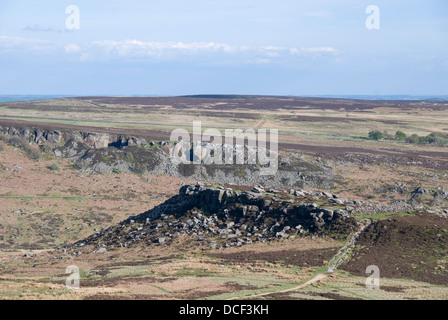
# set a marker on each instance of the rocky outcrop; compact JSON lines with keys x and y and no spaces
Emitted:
{"x":105,"y":153}
{"x":91,"y":139}
{"x":224,"y":217}
{"x":72,"y":149}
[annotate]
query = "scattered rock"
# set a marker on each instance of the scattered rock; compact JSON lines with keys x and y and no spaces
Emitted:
{"x":101,"y":250}
{"x":337,"y":201}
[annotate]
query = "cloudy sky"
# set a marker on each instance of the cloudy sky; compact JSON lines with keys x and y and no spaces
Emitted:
{"x":176,"y":47}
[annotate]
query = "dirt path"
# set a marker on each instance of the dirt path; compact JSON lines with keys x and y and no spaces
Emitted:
{"x":260,"y":123}
{"x":339,"y":257}
{"x":317,"y":278}
{"x":332,"y":265}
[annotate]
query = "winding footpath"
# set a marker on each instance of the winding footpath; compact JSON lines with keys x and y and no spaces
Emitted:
{"x":333,"y":264}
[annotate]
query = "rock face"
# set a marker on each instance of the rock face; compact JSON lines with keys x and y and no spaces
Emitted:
{"x":104,"y":153}
{"x":223,"y":217}
{"x":72,"y":149}
{"x":91,"y":139}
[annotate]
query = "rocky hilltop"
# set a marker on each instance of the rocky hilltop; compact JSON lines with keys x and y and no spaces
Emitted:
{"x":220,"y":217}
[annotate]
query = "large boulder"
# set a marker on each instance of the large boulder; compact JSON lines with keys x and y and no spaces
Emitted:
{"x":53,"y":136}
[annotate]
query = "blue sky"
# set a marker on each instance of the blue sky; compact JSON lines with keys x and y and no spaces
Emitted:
{"x":174,"y":47}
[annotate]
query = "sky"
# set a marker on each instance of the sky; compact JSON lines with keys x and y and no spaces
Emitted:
{"x":183,"y":47}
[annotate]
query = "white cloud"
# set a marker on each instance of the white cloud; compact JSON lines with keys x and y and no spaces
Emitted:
{"x":153,"y":51}
{"x":134,"y":48}
{"x":17,"y":44}
{"x":319,"y":50}
{"x":72,"y":48}
{"x":38,"y":28}
{"x":179,"y":50}
{"x":316,"y":50}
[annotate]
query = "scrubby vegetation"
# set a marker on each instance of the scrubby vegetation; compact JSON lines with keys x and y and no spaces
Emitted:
{"x":54,"y":167}
{"x":435,"y":138}
{"x":22,"y":144}
{"x":376,"y":135}
{"x":400,"y":135}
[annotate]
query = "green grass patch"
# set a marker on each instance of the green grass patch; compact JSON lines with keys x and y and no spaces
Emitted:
{"x":382,"y":216}
{"x":187,"y":272}
{"x":18,"y":197}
